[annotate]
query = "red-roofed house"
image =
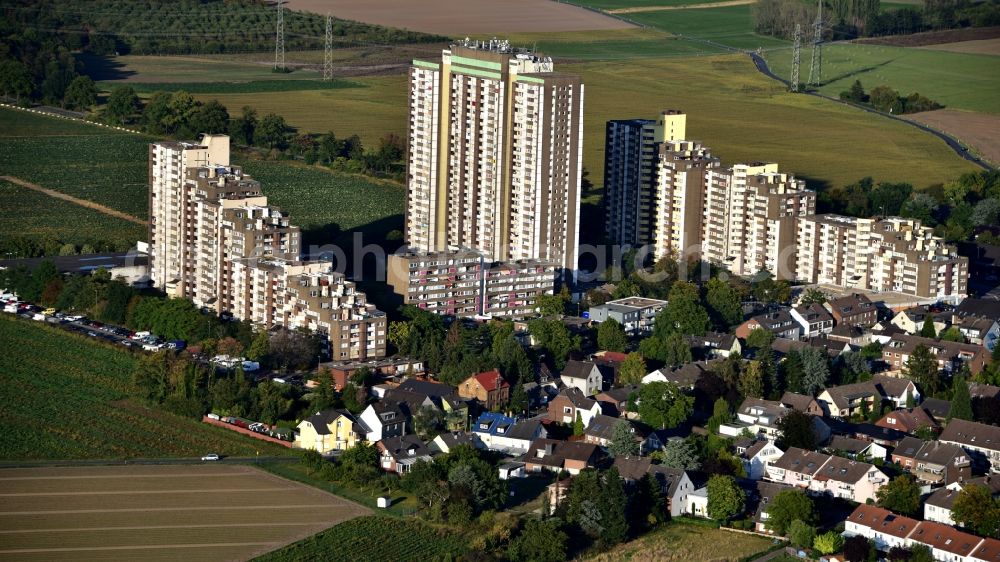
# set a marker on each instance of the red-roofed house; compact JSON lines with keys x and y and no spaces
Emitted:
{"x":945,"y":542}
{"x":489,"y":388}
{"x":988,"y":551}
{"x":881,"y":526}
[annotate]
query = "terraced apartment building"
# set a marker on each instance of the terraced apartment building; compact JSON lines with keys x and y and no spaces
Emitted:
{"x":215,"y":240}
{"x":880,"y":254}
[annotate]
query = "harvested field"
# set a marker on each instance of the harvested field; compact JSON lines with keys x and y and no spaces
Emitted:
{"x":980,"y":47}
{"x":981,"y":131}
{"x":463,"y":17}
{"x":194,"y":512}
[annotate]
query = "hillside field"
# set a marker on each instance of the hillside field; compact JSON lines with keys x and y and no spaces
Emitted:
{"x":217,"y":511}
{"x":679,"y":542}
{"x":110,"y":168}
{"x":67,"y":397}
{"x":374,"y":539}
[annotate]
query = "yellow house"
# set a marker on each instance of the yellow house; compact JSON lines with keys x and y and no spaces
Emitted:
{"x":327,"y":431}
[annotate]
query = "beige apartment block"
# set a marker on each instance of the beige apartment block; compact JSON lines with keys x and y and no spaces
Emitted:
{"x":494,"y":161}
{"x":749,"y":222}
{"x":682,"y":171}
{"x":887,"y":254}
{"x":215,"y":240}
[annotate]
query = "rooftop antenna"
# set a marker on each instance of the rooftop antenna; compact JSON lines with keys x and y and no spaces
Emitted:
{"x":279,"y":39}
{"x":328,"y":50}
{"x":816,"y":66}
{"x":796,"y":53}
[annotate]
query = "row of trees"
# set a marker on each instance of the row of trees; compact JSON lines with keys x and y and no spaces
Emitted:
{"x":884,"y":98}
{"x":848,"y":19}
{"x":214,"y":26}
{"x":956,"y":210}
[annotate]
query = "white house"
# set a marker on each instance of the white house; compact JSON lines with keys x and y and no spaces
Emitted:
{"x":381,"y":420}
{"x":758,"y":456}
{"x":583,"y":375}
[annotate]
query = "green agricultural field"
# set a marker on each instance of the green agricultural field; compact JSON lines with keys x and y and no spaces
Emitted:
{"x":315,"y":197}
{"x":85,"y":161}
{"x":67,"y":397}
{"x":37,"y":216}
{"x":731,"y":25}
{"x":372,"y":110}
{"x":956,"y":80}
{"x":742,"y":115}
{"x":183,"y":69}
{"x":374,"y":539}
{"x":614,"y":44}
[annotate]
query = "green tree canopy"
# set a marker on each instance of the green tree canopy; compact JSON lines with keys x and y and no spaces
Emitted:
{"x":726,"y":499}
{"x":611,"y":336}
{"x":976,"y":509}
{"x":663,"y":405}
{"x":788,"y":506}
{"x":901,"y":495}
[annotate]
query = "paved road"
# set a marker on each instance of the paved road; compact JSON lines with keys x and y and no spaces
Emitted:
{"x":951,"y":142}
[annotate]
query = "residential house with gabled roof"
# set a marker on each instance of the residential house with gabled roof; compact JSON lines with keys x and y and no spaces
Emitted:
{"x":498,"y":432}
{"x":760,"y":497}
{"x":760,"y":418}
{"x":938,"y":408}
{"x":938,"y":506}
{"x":881,"y":526}
{"x":833,"y":348}
{"x":583,"y":375}
{"x":713,"y":345}
{"x":757,"y":456}
{"x":981,"y":441}
{"x":849,"y":479}
{"x":569,"y":404}
{"x":987,"y":551}
{"x":399,"y":454}
{"x":821,"y":473}
{"x":601,"y":431}
{"x":945,"y":542}
{"x":801,"y":402}
{"x":676,"y":484}
{"x":447,"y":441}
{"x":614,"y":402}
{"x":977,"y":308}
{"x":980,"y":331}
{"x":779,"y":322}
{"x":684,"y":377}
{"x":855,"y":309}
{"x":445,"y":397}
{"x":905,"y":453}
{"x":327,"y":431}
{"x":383,"y":419}
{"x":846,"y":400}
{"x":909,"y":421}
{"x":950,"y":355}
{"x":912,"y":320}
{"x":813,"y":319}
{"x":982,"y":390}
{"x":489,"y":388}
{"x":856,"y":449}
{"x":556,"y":456}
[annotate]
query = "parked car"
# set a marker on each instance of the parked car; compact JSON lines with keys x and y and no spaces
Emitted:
{"x":211,"y":457}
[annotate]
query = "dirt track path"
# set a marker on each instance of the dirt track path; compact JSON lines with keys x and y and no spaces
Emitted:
{"x":75,"y":200}
{"x":681,"y":7}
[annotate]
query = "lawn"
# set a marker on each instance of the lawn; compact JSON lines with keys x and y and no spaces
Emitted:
{"x":731,"y":25}
{"x":67,"y":397}
{"x":34,"y":215}
{"x":957,"y":80}
{"x":211,"y":511}
{"x":680,"y":542}
{"x":619,"y":44}
{"x":621,"y":4}
{"x":375,"y":539}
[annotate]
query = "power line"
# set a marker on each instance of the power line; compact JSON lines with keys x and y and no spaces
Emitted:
{"x":816,"y":65}
{"x":279,"y":40}
{"x":796,"y":53}
{"x":328,"y":50}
